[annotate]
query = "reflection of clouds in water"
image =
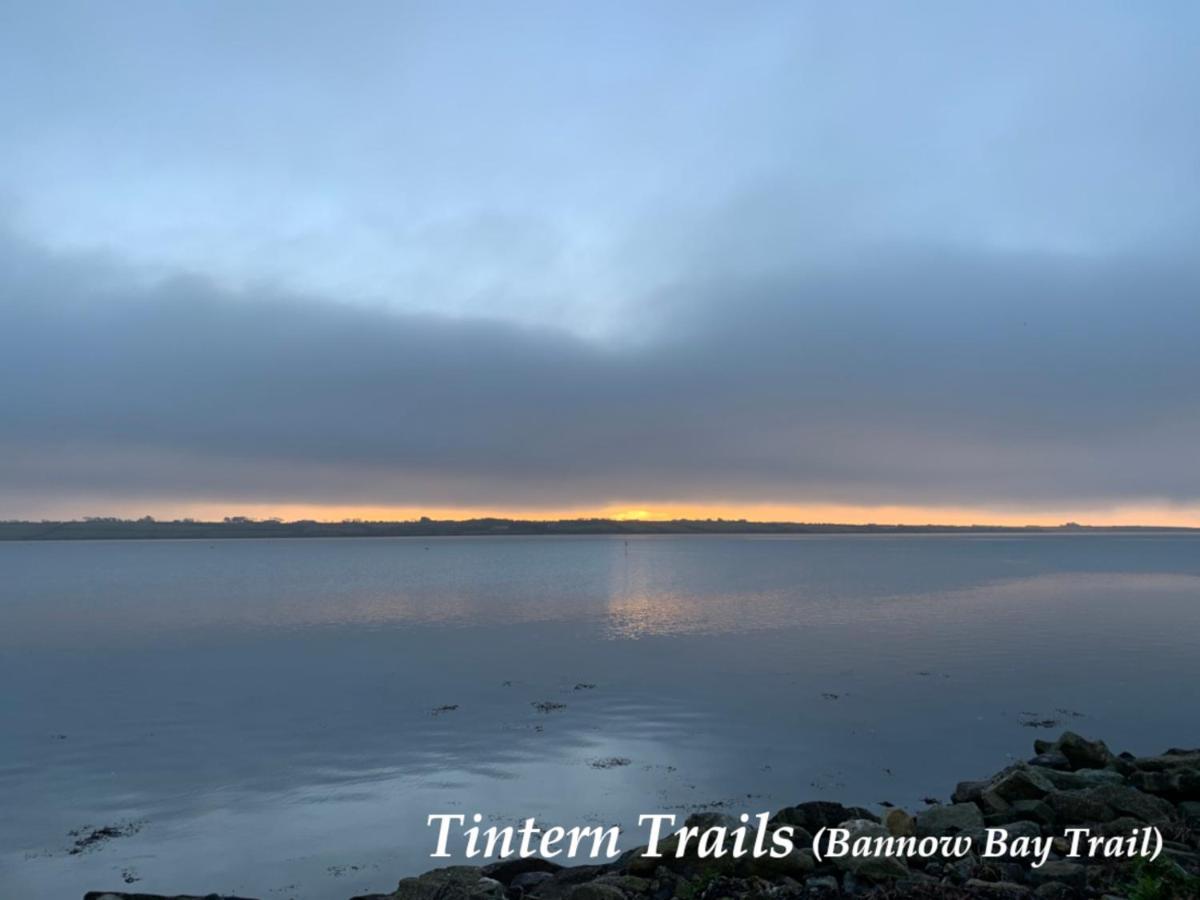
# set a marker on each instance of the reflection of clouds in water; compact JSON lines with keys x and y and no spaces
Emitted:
{"x":640,"y":615}
{"x":260,"y":702}
{"x":132,"y":592}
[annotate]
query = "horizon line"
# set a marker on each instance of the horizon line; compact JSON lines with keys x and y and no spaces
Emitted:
{"x":617,"y":522}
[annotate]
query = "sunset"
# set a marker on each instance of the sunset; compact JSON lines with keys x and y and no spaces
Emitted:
{"x":579,"y":450}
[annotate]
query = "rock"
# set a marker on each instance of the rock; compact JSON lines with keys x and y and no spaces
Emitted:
{"x":1123,"y":826}
{"x":595,"y":891}
{"x":1178,"y":785}
{"x":992,"y":803}
{"x":1034,"y":811}
{"x":1052,"y":759}
{"x":1132,"y":802}
{"x":996,"y":890}
{"x":488,"y":889}
{"x":529,"y":880}
{"x":818,"y":814}
{"x":627,"y":883}
{"x":1023,"y":829}
{"x":1022,"y":811}
{"x":969,"y":791}
{"x":1021,"y":784}
{"x":949,"y":819}
{"x":1078,"y":807}
{"x":881,"y":868}
{"x":1069,"y":873}
{"x":899,"y":823}
{"x":1082,"y":753}
{"x":1190,"y":810}
{"x":1081,"y":778}
{"x":822,"y":884}
{"x":450,"y":883}
{"x":1053,"y":890}
{"x":870,"y":868}
{"x":796,"y":864}
{"x":507,"y":870}
{"x":960,"y":871}
{"x":1171,"y":760}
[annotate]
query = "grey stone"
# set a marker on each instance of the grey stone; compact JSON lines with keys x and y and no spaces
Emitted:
{"x":1053,"y":890}
{"x":818,"y":814}
{"x":949,"y":819}
{"x":450,"y":883}
{"x":996,"y":890}
{"x":1132,"y":802}
{"x":969,"y":791}
{"x":1082,"y":753}
{"x":1034,"y":811}
{"x":899,"y":823}
{"x":796,"y":864}
{"x":529,"y":880}
{"x":1022,"y":829}
{"x":507,"y":870}
{"x":1052,"y":759}
{"x":1078,"y":807}
{"x":1021,"y":784}
{"x":596,"y":891}
{"x":488,"y":889}
{"x":1062,"y":871}
{"x":1190,"y":810}
{"x":822,"y":884}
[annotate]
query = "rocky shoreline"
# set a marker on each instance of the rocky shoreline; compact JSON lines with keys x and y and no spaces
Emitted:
{"x":1070,"y":783}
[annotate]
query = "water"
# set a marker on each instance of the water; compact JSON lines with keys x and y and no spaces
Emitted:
{"x":264,"y":710}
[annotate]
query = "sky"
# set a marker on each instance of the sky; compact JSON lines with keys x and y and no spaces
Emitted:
{"x":822,"y":262}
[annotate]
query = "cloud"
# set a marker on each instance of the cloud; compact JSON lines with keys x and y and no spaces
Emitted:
{"x":910,"y":375}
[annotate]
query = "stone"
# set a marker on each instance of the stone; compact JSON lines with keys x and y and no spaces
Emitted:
{"x":818,"y":814}
{"x":996,"y":890}
{"x":1052,"y":759}
{"x":595,"y":891}
{"x":796,"y":864}
{"x":488,"y":889}
{"x":949,"y":819}
{"x":822,"y":884}
{"x":870,"y":868}
{"x":450,"y":883}
{"x":628,"y":883}
{"x":1034,"y":811}
{"x":1069,"y":873}
{"x":1132,"y":802}
{"x":1177,"y":785}
{"x":1022,"y":829}
{"x":1021,"y":784}
{"x":1082,"y":753}
{"x":1053,"y":890}
{"x":528,"y":880}
{"x":1190,"y":810}
{"x":992,"y":803}
{"x":899,"y":823}
{"x":881,"y":868}
{"x":969,"y":791}
{"x":1172,"y":759}
{"x":1078,"y":807}
{"x":1081,"y":778}
{"x":1122,"y":825}
{"x":507,"y":870}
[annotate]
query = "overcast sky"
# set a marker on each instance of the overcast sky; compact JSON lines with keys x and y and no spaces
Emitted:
{"x":910,"y":260}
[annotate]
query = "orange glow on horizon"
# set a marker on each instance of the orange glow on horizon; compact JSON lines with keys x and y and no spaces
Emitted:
{"x":848,"y":514}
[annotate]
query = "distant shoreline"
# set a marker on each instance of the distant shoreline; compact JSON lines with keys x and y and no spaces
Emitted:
{"x":237,"y":528}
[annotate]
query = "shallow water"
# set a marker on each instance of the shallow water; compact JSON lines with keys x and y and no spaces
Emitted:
{"x":263,"y":712}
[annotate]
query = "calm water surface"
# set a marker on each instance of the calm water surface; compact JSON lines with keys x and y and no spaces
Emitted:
{"x":265,"y":710}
